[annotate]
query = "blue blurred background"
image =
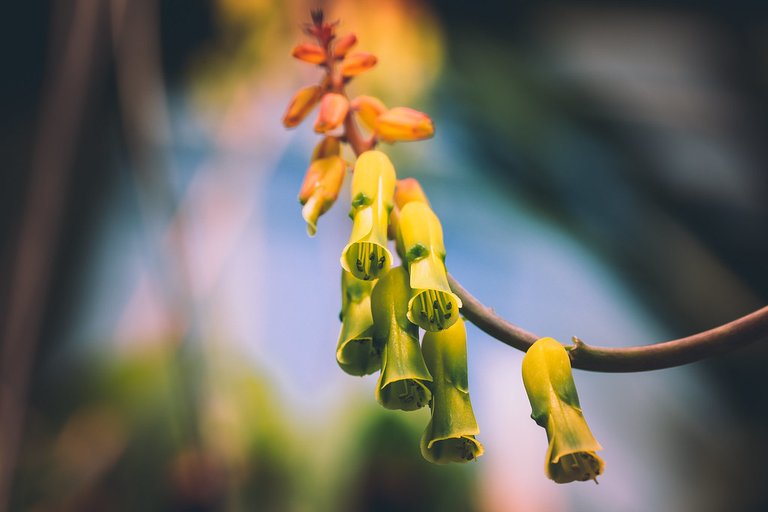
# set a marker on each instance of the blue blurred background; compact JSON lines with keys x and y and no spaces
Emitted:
{"x":169,"y":330}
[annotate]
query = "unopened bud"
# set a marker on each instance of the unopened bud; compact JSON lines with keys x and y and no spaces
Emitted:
{"x":309,"y":52}
{"x":329,"y":146}
{"x":301,"y":105}
{"x":368,"y":109}
{"x":407,"y":190}
{"x":343,"y":45}
{"x":333,"y":110}
{"x":356,"y":63}
{"x":320,"y":189}
{"x":404,"y":124}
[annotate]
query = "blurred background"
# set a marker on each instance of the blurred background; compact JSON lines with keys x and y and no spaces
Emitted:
{"x":168,"y":330}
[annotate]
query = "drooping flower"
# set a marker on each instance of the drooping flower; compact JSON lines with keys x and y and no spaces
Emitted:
{"x":356,"y":352}
{"x":320,"y":188}
{"x":301,"y":105}
{"x":366,"y":255}
{"x":333,"y":110}
{"x":404,"y":376}
{"x":450,"y":434}
{"x":368,"y":109}
{"x":309,"y":52}
{"x":433,"y":306}
{"x":555,"y":406}
{"x":404,"y":124}
{"x":356,"y":63}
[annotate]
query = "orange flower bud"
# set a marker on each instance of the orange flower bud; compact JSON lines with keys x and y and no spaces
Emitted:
{"x":302,"y":104}
{"x":329,"y":146}
{"x":320,"y":189}
{"x":309,"y":52}
{"x":356,"y":63}
{"x":407,"y":190}
{"x":333,"y":110}
{"x":368,"y":108}
{"x":404,"y":124}
{"x":343,"y":45}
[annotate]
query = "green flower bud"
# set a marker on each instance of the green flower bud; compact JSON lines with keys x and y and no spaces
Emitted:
{"x":356,"y":353}
{"x":404,"y":376}
{"x":450,"y":434}
{"x":373,"y":185}
{"x":555,"y":406}
{"x":433,"y":306}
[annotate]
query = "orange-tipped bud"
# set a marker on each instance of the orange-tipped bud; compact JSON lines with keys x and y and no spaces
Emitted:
{"x":404,"y":124}
{"x":343,"y":45}
{"x":301,"y":105}
{"x":368,"y":108}
{"x":355,"y":63}
{"x":333,"y":110}
{"x":320,"y":189}
{"x":407,"y":190}
{"x":309,"y":52}
{"x":329,"y":146}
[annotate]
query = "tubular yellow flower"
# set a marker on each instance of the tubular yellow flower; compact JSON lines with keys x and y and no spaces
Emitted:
{"x":404,"y":124}
{"x":450,"y":434}
{"x":309,"y":52}
{"x":356,"y":63}
{"x":368,"y":108}
{"x":301,"y":105}
{"x":406,"y":190}
{"x":555,"y":406}
{"x":333,"y":110}
{"x":320,"y":189}
{"x":373,"y":184}
{"x":343,"y":45}
{"x":433,"y":306}
{"x":404,"y":376}
{"x":356,"y":352}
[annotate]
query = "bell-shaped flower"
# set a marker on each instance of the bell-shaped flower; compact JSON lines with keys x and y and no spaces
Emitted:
{"x":343,"y":45}
{"x":366,"y":255}
{"x":433,"y":306}
{"x":404,"y":124}
{"x":356,"y":63}
{"x":404,"y":376}
{"x":555,"y":406}
{"x":368,"y":109}
{"x":309,"y":52}
{"x":450,"y":434}
{"x":333,"y":110}
{"x":356,"y":352}
{"x":301,"y":105}
{"x":320,"y":189}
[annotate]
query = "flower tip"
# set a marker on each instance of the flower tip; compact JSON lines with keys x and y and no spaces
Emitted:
{"x":402,"y":124}
{"x":310,"y":53}
{"x":301,"y":105}
{"x":343,"y":45}
{"x":333,"y":110}
{"x":356,"y":63}
{"x":454,"y":449}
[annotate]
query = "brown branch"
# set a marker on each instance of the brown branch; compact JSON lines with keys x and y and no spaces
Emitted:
{"x":744,"y":331}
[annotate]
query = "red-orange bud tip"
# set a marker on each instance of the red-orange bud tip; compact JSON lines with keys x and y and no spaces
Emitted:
{"x":333,"y":110}
{"x":309,"y":52}
{"x":408,"y":190}
{"x":356,"y":63}
{"x":404,"y":124}
{"x":343,"y":45}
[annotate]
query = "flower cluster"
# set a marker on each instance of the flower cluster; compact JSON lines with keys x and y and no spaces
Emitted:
{"x":384,"y":305}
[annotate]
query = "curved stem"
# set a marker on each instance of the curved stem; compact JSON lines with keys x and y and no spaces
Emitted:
{"x":744,"y":331}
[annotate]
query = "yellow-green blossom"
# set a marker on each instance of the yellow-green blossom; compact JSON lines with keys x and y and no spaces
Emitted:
{"x":433,"y":306}
{"x":404,"y":375}
{"x":366,"y":255}
{"x":356,"y":353}
{"x":450,"y":434}
{"x":555,"y":406}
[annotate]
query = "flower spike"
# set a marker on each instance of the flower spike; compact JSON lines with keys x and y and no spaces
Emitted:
{"x":356,"y":353}
{"x":366,"y":255}
{"x":450,"y":434}
{"x":555,"y":406}
{"x":404,"y":124}
{"x":301,"y":105}
{"x":434,"y":306}
{"x":404,"y":376}
{"x":320,"y":189}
